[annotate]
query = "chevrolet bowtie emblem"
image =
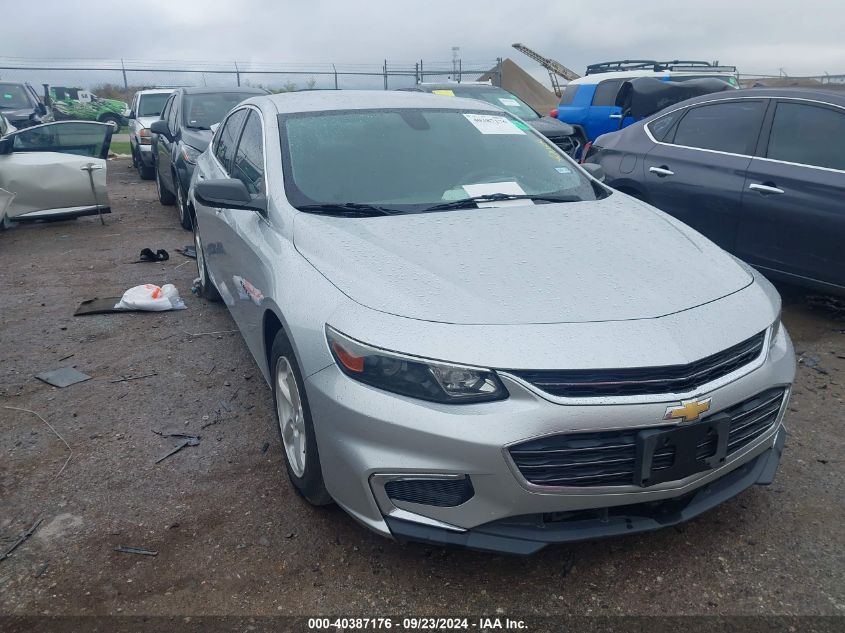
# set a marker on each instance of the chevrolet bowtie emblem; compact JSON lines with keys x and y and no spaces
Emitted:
{"x":688,"y":410}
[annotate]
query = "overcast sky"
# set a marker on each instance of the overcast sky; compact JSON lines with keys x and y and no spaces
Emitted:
{"x":802,"y":37}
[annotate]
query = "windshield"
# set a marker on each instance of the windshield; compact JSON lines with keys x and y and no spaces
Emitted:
{"x":498,"y":97}
{"x":410,"y":160}
{"x":152,"y":104}
{"x":204,"y":110}
{"x":13,"y":97}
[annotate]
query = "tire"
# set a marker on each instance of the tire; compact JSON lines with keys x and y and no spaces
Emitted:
{"x":185,"y":218}
{"x":164,"y":196}
{"x":293,"y":421}
{"x":146,"y":173}
{"x":207,"y":290}
{"x":111,"y":119}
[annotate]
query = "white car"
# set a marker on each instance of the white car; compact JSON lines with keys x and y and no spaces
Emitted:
{"x":146,"y":107}
{"x":54,"y":171}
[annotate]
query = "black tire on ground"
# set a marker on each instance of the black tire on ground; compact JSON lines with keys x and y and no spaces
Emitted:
{"x":145,"y":172}
{"x":207,"y":289}
{"x":164,"y":196}
{"x":111,"y":119}
{"x":310,"y":485}
{"x":185,"y":217}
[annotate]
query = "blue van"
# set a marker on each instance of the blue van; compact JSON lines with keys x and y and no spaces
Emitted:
{"x":589,"y":102}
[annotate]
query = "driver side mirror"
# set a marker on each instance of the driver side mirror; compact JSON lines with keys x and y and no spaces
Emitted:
{"x":228,"y":193}
{"x":596,"y":171}
{"x":160,"y":127}
{"x":7,"y":145}
{"x":130,"y":114}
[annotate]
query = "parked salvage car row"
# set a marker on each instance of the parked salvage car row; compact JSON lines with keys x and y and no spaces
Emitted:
{"x":472,"y":338}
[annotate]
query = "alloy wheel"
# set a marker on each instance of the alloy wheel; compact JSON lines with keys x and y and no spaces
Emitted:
{"x":291,"y":416}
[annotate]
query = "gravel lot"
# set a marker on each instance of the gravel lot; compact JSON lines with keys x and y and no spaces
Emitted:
{"x":232,"y":537}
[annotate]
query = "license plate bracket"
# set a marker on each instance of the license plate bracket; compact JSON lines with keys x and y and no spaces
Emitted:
{"x":686,"y":442}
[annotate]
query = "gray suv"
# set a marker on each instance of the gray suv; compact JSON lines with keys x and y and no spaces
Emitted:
{"x":21,"y":105}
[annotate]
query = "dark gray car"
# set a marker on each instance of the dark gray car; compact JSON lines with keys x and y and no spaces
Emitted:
{"x":561,"y":134}
{"x":182,"y":134}
{"x":761,"y":172}
{"x":21,"y":105}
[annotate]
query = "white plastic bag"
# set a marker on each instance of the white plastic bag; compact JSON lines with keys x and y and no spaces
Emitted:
{"x":151,"y":297}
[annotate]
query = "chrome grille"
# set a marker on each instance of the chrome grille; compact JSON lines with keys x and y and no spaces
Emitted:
{"x":606,"y":458}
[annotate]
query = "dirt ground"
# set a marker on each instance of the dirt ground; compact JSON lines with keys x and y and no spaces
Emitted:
{"x":232,"y":537}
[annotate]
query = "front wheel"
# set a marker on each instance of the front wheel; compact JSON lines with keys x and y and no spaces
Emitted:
{"x":185,"y":218}
{"x":164,"y":196}
{"x":296,"y":429}
{"x":207,"y":289}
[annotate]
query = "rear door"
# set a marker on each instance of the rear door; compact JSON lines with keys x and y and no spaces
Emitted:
{"x":604,"y":115}
{"x":698,"y":171}
{"x":793,"y":201}
{"x":164,"y":146}
{"x":57,"y":170}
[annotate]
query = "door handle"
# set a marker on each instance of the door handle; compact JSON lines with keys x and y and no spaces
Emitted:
{"x":94,"y":167}
{"x":661,"y":172}
{"x":765,"y":189}
{"x":615,"y":116}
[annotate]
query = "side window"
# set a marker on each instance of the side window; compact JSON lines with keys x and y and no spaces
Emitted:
{"x":726,"y":127}
{"x":605,"y":94}
{"x":568,"y":94}
{"x":172,"y":115}
{"x":65,"y":137}
{"x":165,"y":113}
{"x":808,"y":134}
{"x":660,"y":128}
{"x":227,"y":138}
{"x":248,"y":166}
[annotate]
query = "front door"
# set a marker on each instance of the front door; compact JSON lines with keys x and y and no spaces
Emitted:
{"x":697,"y":173}
{"x":793,"y":217}
{"x":57,"y":170}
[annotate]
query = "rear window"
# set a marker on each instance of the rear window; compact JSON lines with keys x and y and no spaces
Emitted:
{"x":568,"y":94}
{"x":809,"y":135}
{"x":606,"y":92}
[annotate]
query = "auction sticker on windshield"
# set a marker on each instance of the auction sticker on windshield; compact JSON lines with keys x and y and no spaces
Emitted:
{"x":492,"y":124}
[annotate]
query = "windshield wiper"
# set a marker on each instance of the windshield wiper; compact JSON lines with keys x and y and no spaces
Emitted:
{"x":348,"y":209}
{"x":467,"y":203}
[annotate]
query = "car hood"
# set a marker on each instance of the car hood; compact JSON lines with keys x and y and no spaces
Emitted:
{"x":610,"y":260}
{"x":547,"y":126}
{"x":147,"y":121}
{"x":197,"y":138}
{"x":15,"y":116}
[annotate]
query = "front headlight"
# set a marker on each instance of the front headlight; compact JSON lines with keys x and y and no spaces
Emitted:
{"x":190,"y":155}
{"x":415,"y":377}
{"x":776,"y":326}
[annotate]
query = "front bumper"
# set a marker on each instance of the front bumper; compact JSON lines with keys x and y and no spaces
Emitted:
{"x":366,"y":436}
{"x":529,"y":534}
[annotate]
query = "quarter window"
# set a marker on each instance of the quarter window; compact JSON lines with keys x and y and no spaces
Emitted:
{"x":249,"y":159}
{"x":568,"y":94}
{"x":606,"y":91}
{"x":726,"y":127}
{"x":807,"y":134}
{"x":662,"y":127}
{"x":227,"y":138}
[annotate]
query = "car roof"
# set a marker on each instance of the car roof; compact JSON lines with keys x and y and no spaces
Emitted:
{"x":836,"y":97}
{"x":451,"y":85}
{"x":156,"y":91}
{"x":317,"y":101}
{"x":207,"y":90}
{"x":596,"y":78}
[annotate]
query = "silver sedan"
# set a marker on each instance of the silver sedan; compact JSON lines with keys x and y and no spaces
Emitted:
{"x":469,"y":338}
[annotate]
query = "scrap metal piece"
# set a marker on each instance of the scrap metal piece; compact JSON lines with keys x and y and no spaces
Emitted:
{"x":188,"y":441}
{"x":23,"y":537}
{"x":62,"y":377}
{"x":135,"y":550}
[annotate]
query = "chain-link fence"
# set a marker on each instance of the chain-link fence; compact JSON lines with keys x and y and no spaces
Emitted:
{"x":129,"y":75}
